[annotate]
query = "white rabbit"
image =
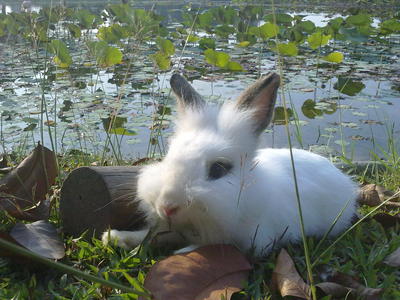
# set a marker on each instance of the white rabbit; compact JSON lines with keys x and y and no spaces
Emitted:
{"x":215,"y":185}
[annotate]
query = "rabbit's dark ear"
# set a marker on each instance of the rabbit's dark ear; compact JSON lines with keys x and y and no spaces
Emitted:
{"x":260,"y":97}
{"x":185,"y":93}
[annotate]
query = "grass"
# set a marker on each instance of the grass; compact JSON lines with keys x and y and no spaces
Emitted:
{"x":360,"y":253}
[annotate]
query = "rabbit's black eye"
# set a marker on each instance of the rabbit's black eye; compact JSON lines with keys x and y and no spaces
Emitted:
{"x":219,"y":169}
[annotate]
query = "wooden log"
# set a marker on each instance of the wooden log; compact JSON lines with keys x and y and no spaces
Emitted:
{"x":94,"y":199}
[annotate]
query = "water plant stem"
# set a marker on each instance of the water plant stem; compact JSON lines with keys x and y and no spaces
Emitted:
{"x":303,"y":235}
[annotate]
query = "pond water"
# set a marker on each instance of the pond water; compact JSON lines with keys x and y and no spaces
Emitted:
{"x":349,"y":108}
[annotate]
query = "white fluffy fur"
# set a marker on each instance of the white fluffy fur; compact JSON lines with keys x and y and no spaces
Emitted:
{"x":255,"y":205}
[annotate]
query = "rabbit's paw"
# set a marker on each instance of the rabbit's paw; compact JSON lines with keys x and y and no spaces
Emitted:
{"x":124,"y":239}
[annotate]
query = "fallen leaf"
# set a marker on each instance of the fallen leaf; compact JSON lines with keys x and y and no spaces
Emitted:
{"x":224,"y":287}
{"x":3,"y":162}
{"x":387,"y":220}
{"x":8,"y":238}
{"x":34,"y":213}
{"x":373,"y":195}
{"x":27,"y":185}
{"x":6,"y":170}
{"x":39,"y":237}
{"x":393,"y":259}
{"x":286,"y":280}
{"x":372,"y":122}
{"x":333,"y":289}
{"x":141,"y":161}
{"x":369,"y":195}
{"x":355,"y":288}
{"x":385,"y":193}
{"x":207,"y":273}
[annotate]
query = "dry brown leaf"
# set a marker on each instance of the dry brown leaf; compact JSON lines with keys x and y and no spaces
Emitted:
{"x":357,"y":288}
{"x":203,"y":274}
{"x":27,"y":185}
{"x":6,"y":170}
{"x":141,"y":161}
{"x":39,"y":237}
{"x":369,"y":195}
{"x":305,"y":90}
{"x":387,"y":220}
{"x":334,"y":289}
{"x":8,"y":238}
{"x":3,"y":162}
{"x":18,"y":259}
{"x":224,"y":287}
{"x":385,"y":193}
{"x":286,"y":280}
{"x":393,"y":259}
{"x":373,"y":195}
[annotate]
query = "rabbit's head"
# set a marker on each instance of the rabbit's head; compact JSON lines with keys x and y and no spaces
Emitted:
{"x":210,"y":150}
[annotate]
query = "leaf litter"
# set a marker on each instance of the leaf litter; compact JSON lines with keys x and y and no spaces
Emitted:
{"x":207,"y":273}
{"x":23,"y":195}
{"x":287,"y":281}
{"x":27,"y":185}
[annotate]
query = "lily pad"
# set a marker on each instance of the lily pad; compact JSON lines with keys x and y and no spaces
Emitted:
{"x":348,"y":86}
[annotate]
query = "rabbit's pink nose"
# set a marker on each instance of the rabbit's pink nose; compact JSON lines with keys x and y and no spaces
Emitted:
{"x":170,"y":210}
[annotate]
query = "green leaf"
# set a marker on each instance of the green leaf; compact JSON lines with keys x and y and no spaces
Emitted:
{"x":162,"y":61}
{"x":306,"y":26}
{"x":30,"y":127}
{"x":164,"y":110}
{"x":115,"y":125}
{"x":113,"y":57}
{"x":74,"y":30}
{"x":268,"y":30}
{"x":192,"y":38}
{"x":309,"y":110}
{"x":62,"y":57}
{"x":284,"y":19}
{"x":165,"y":46}
{"x":86,"y":19}
{"x":122,"y":131}
{"x":279,"y":115}
{"x":218,"y":59}
{"x":105,"y":55}
{"x":296,"y":35}
{"x":121,"y":12}
{"x":334,"y":57}
{"x":317,"y":40}
{"x":243,"y":44}
{"x":112,"y":34}
{"x":389,"y":26}
{"x":234,"y":66}
{"x":289,"y":49}
{"x":207,"y":43}
{"x":246,"y":37}
{"x":348,"y":86}
{"x":205,"y":19}
{"x":224,"y":30}
{"x":359,"y":20}
{"x":336,"y":23}
{"x":352,"y":34}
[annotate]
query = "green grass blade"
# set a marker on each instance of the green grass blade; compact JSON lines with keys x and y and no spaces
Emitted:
{"x":67,"y":269}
